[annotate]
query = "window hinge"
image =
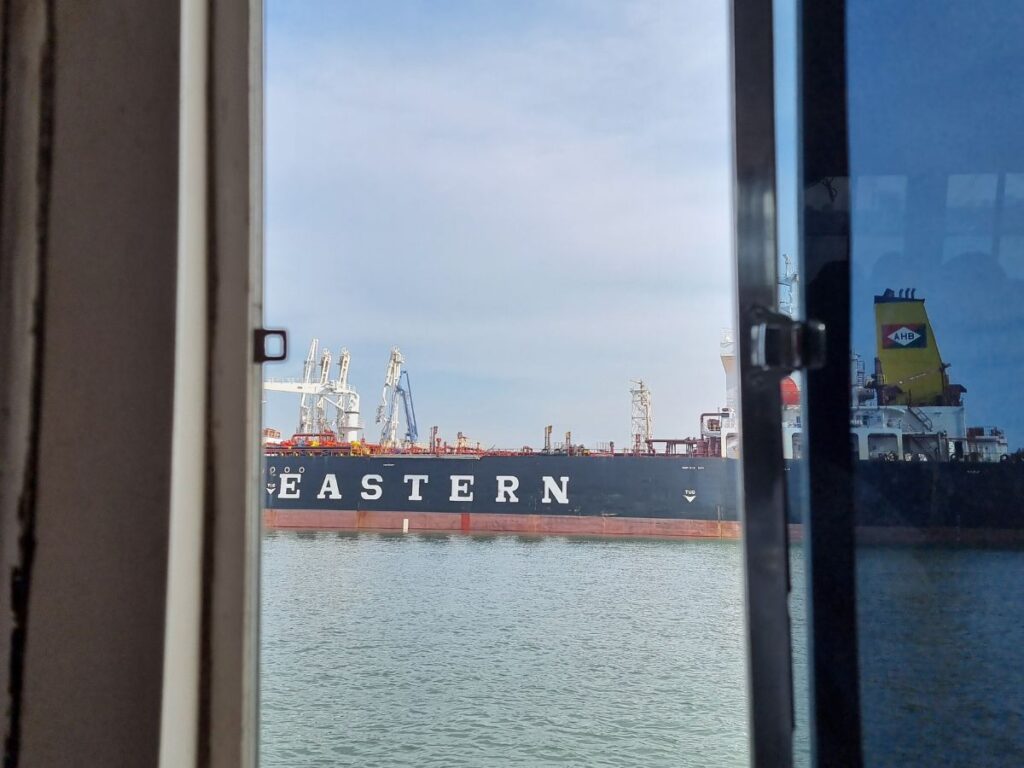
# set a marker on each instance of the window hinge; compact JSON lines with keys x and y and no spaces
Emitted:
{"x":264,"y":352}
{"x":780,"y":343}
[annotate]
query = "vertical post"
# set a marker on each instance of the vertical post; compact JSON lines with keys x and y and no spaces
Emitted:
{"x":181,"y":666}
{"x":829,"y":529}
{"x":762,"y":490}
{"x":228,"y":714}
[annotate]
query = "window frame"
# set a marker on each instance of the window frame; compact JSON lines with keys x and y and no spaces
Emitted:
{"x":761,"y":492}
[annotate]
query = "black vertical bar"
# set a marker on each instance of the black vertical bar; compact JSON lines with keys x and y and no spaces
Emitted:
{"x":829,"y":529}
{"x":762,"y":490}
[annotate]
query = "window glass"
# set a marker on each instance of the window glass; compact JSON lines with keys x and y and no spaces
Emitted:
{"x":499,"y":486}
{"x":789,"y":291}
{"x":936,"y":162}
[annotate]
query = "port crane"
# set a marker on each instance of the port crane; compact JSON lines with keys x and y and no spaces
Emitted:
{"x":396,"y":387}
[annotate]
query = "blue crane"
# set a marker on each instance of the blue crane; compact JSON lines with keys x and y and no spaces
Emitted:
{"x":411,"y":432}
{"x":387,"y":411}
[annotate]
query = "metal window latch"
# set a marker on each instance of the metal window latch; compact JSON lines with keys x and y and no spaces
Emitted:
{"x":780,"y":343}
{"x":264,"y":352}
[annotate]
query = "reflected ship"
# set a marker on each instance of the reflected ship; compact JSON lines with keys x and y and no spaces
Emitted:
{"x":922,"y":472}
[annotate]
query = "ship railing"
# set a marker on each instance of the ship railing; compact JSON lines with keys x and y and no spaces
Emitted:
{"x":922,"y":417}
{"x":875,"y":418}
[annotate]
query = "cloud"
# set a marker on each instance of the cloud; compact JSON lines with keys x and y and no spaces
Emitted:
{"x":534,"y":208}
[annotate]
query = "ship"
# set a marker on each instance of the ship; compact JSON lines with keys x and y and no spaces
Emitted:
{"x":921,"y":472}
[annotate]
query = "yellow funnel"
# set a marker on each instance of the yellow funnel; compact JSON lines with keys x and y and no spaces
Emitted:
{"x":912,"y":369}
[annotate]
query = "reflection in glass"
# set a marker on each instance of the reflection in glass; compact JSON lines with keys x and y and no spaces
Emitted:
{"x":937,"y":263}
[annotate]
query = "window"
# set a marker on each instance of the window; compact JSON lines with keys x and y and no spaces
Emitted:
{"x":515,"y":220}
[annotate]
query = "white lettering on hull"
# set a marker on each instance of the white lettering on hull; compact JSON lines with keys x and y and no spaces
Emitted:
{"x":460,"y":488}
{"x":507,"y":485}
{"x":554,"y":490}
{"x":414,"y":492}
{"x":371,"y":487}
{"x":560,"y":492}
{"x":329,"y":489}
{"x":289,"y":486}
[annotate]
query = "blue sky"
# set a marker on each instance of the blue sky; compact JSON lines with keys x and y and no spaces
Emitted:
{"x":931,"y":135}
{"x":531,"y":199}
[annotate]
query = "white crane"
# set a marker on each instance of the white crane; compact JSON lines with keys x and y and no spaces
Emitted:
{"x":320,"y":418}
{"x":396,"y":387}
{"x":318,"y":397}
{"x":343,"y":361}
{"x":305,"y":409}
{"x":387,"y":411}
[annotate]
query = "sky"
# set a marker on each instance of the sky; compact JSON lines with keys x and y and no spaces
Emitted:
{"x":530,"y":199}
{"x":938,"y":155}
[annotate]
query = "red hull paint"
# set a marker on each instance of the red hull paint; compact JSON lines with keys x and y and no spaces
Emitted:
{"x":309,"y":519}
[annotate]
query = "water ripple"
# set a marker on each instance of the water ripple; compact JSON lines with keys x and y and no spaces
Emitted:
{"x":501,"y":651}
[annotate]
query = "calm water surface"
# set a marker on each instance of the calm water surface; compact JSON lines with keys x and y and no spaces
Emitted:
{"x":501,"y":651}
{"x":941,"y":650}
{"x":438,"y":650}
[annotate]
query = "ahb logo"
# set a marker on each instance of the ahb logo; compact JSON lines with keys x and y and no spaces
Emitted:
{"x":905,"y":336}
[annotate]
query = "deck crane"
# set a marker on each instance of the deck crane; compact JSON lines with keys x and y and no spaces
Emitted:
{"x":343,"y":360}
{"x":396,"y":386}
{"x":305,"y":409}
{"x":325,"y":406}
{"x":387,"y":412}
{"x":412,"y":433}
{"x":320,"y":418}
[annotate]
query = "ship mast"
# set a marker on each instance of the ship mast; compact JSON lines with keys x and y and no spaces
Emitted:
{"x":642,"y":419}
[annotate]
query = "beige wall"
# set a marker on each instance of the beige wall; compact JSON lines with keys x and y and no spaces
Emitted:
{"x":93,"y":667}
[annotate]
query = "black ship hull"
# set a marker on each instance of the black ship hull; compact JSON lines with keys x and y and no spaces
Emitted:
{"x":622,"y":495}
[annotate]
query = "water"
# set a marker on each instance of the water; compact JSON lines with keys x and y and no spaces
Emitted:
{"x":501,"y":651}
{"x":941,"y":638}
{"x":417,"y":650}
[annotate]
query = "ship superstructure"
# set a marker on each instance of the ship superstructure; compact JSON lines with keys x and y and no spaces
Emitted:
{"x":906,"y":409}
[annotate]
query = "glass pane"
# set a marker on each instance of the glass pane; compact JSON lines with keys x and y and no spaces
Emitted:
{"x":936,"y":157}
{"x":529,"y":556}
{"x":787,"y":184}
